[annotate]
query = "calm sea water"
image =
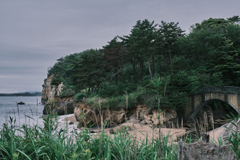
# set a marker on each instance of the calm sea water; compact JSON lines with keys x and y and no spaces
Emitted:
{"x":32,"y":108}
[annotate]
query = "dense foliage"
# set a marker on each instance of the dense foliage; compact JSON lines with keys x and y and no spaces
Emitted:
{"x":207,"y":56}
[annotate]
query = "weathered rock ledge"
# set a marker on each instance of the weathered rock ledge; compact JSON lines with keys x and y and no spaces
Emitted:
{"x":89,"y":116}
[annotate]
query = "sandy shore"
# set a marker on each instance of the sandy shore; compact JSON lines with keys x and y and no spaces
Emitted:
{"x":68,"y":123}
{"x":139,"y":131}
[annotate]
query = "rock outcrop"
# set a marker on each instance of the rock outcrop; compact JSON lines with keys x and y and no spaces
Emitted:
{"x":207,"y":151}
{"x":89,"y":116}
{"x":54,"y":104}
{"x":48,"y":91}
{"x":60,"y":106}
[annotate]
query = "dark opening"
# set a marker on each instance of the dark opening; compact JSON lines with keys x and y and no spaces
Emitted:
{"x":212,"y":115}
{"x":215,"y":114}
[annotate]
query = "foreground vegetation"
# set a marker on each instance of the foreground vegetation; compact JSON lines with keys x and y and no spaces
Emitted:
{"x":130,"y":65}
{"x":49,"y":143}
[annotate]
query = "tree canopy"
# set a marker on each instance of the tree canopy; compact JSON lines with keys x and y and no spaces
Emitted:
{"x":207,"y":56}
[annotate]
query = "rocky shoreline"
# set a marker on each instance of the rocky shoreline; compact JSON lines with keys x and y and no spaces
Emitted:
{"x":88,"y":116}
{"x":138,"y":121}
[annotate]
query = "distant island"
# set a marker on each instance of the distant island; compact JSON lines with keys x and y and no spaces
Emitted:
{"x":22,"y":94}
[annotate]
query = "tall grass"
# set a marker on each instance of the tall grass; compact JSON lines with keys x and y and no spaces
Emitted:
{"x":234,"y":138}
{"x":48,"y":142}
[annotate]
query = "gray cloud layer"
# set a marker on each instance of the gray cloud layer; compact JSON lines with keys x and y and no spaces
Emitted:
{"x":36,"y":33}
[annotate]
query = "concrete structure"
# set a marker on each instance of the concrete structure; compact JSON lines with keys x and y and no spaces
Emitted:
{"x":228,"y":94}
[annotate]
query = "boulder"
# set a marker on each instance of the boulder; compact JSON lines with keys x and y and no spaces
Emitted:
{"x":205,"y":151}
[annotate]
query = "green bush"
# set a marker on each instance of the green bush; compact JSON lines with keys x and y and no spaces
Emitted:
{"x":116,"y":89}
{"x":123,"y":101}
{"x":108,"y":91}
{"x":56,"y":81}
{"x":114,"y":102}
{"x":67,"y":93}
{"x":92,"y":101}
{"x":79,"y":96}
{"x":45,"y":80}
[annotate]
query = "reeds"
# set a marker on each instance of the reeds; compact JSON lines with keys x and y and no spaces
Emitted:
{"x":48,"y":142}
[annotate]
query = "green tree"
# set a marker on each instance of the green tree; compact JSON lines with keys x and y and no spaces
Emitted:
{"x":140,"y":44}
{"x":113,"y":54}
{"x":170,"y":32}
{"x":213,"y":47}
{"x":88,"y":70}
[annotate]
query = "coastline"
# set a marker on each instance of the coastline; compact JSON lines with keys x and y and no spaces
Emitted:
{"x":68,"y":123}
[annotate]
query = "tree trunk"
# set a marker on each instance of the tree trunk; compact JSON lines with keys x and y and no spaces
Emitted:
{"x":149,"y":67}
{"x":116,"y":79}
{"x":93,"y":89}
{"x":159,"y":66}
{"x":134,"y":72}
{"x":119,"y":77}
{"x":98,"y":86}
{"x":169,"y":51}
{"x":141,"y":67}
{"x":153,"y":65}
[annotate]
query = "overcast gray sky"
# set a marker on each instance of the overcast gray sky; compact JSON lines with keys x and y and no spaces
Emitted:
{"x":34,"y":33}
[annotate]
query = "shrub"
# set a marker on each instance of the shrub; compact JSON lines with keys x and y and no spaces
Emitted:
{"x":79,"y":96}
{"x":91,"y":101}
{"x":67,"y":93}
{"x":108,"y":91}
{"x":116,"y":89}
{"x":116,"y":102}
{"x":120,"y":101}
{"x":56,"y":81}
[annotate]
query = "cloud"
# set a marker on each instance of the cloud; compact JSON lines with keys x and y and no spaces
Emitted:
{"x":36,"y":33}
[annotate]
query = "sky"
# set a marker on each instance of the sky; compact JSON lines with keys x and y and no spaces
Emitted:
{"x":34,"y":33}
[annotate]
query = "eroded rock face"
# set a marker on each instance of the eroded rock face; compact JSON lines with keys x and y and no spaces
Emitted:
{"x":54,"y":104}
{"x":48,"y":91}
{"x":59,"y":106}
{"x":164,"y":116}
{"x":88,"y":116}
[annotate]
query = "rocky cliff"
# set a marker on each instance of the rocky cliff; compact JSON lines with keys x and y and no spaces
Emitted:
{"x":48,"y":91}
{"x":60,"y":106}
{"x":50,"y":98}
{"x":88,"y":116}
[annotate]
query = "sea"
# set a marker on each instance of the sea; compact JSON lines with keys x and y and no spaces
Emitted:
{"x":28,"y":114}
